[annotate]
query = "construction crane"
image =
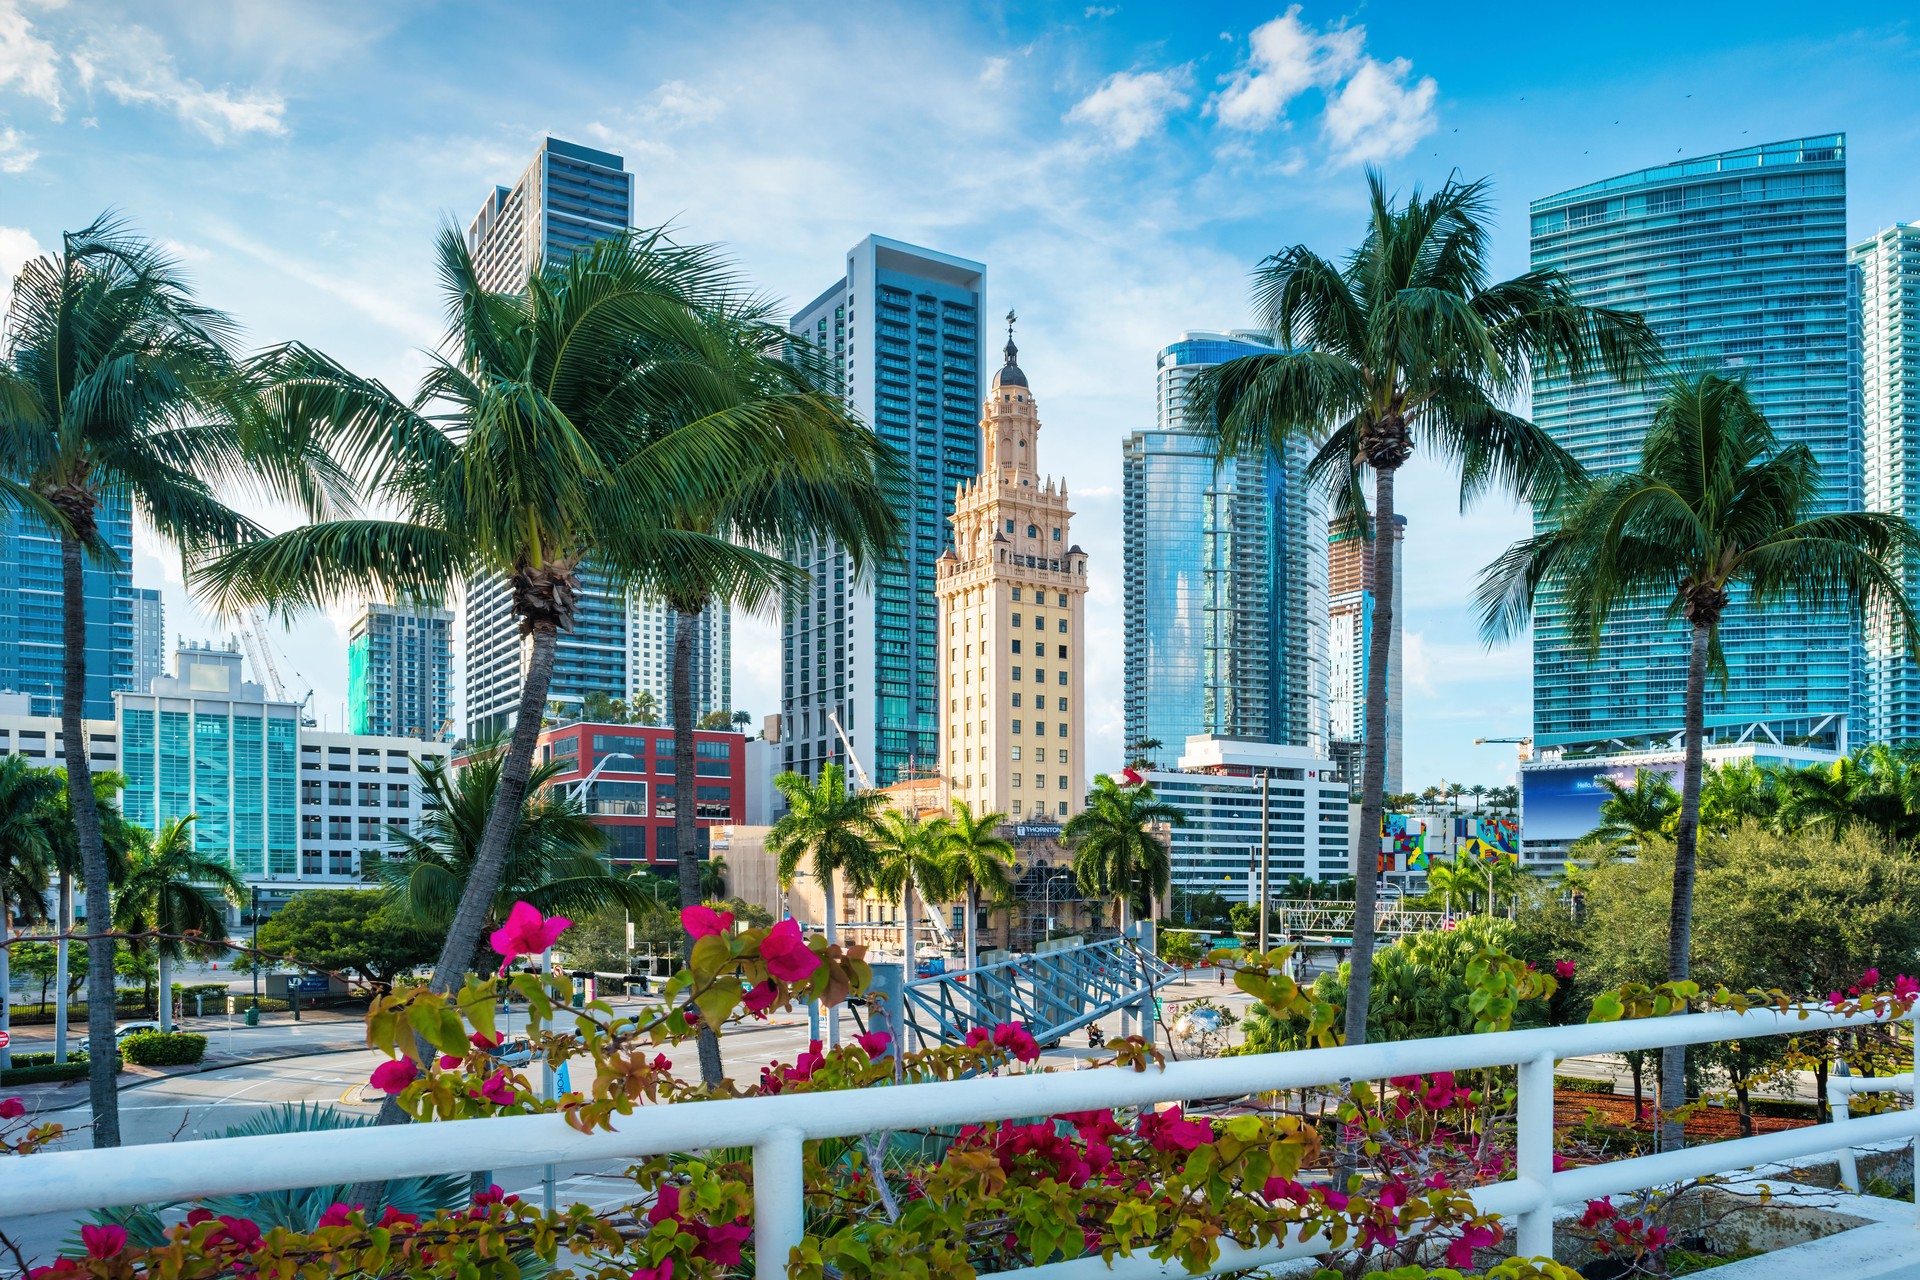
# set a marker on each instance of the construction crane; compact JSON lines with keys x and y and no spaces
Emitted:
{"x":253,"y":638}
{"x":866,"y":783}
{"x":1524,"y":745}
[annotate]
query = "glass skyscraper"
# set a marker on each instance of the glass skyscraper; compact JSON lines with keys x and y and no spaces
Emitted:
{"x":903,"y":324}
{"x":1225,"y":577}
{"x":1887,"y":273}
{"x":30,"y":612}
{"x":1739,"y":261}
{"x":400,"y":672}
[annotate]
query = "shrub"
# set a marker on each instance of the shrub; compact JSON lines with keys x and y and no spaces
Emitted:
{"x":44,"y":1059}
{"x":153,"y":1049}
{"x":49,"y":1073}
{"x":1580,"y":1084}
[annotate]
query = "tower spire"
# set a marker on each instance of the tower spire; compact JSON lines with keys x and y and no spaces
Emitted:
{"x":1012,"y":352}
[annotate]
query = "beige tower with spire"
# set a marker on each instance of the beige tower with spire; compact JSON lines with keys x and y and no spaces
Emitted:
{"x":1012,"y":590}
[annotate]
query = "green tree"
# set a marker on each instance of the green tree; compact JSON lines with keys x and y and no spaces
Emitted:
{"x":603,"y":708}
{"x":909,"y":863}
{"x":544,"y":439}
{"x":827,"y":829}
{"x":1717,"y":507}
{"x":1116,"y":852}
{"x":715,"y":722}
{"x":1408,"y":344}
{"x":26,"y":861}
{"x":174,"y":889}
{"x":554,"y":860}
{"x":37,"y":961}
{"x":1739,"y":791}
{"x":1630,"y":815}
{"x":713,"y":878}
{"x":117,"y":384}
{"x":644,"y":709}
{"x":1877,"y":787}
{"x":977,"y":863}
{"x":348,"y":931}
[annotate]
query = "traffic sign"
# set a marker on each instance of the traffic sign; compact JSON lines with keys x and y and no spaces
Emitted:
{"x":6,"y":1038}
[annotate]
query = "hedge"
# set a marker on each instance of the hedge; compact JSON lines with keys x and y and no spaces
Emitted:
{"x":153,"y":1049}
{"x":68,"y":1070}
{"x":45,"y":1059}
{"x":1581,"y":1084}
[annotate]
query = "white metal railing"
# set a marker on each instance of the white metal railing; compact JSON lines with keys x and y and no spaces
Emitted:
{"x":1840,"y":1090}
{"x":776,"y":1127}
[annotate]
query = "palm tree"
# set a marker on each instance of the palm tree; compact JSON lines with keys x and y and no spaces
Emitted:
{"x":1116,"y":854}
{"x":644,"y":708}
{"x":713,"y":879}
{"x":1740,"y":791}
{"x":173,"y":889}
{"x":1629,"y":815}
{"x":1456,"y":879}
{"x":115,"y":385}
{"x":828,"y":828}
{"x":26,"y":861}
{"x":116,"y":835}
{"x":977,"y":862}
{"x":1717,"y":506}
{"x":546,"y":437}
{"x":554,"y":861}
{"x":1479,"y":792}
{"x":1406,"y":345}
{"x":909,"y":862}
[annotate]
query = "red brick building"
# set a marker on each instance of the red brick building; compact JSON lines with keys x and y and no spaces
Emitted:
{"x":632,"y":798}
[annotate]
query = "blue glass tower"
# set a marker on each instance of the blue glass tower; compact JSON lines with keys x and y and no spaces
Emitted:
{"x":903,"y":324}
{"x":30,"y":612}
{"x":1226,"y":578}
{"x":1738,"y":260}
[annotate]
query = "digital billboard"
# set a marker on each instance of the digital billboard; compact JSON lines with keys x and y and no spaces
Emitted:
{"x":1564,"y":803}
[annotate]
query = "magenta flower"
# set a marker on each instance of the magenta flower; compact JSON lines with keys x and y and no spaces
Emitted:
{"x":874,"y":1042}
{"x":448,"y":1062}
{"x":104,"y":1241}
{"x":337,"y":1215}
{"x":493,"y":1041}
{"x":761,"y":998}
{"x":494,"y":1194}
{"x":666,"y":1204}
{"x":663,"y":1271}
{"x":722,"y":1244}
{"x":526,"y":933}
{"x":1905,"y":988}
{"x":1169,"y":1131}
{"x":497,"y":1090}
{"x":703,"y":921}
{"x":12,"y":1108}
{"x":1870,"y":978}
{"x":394,"y":1218}
{"x":1563,"y":969}
{"x":1460,"y":1252}
{"x":392,"y":1077}
{"x":1278,"y":1189}
{"x":237,"y":1232}
{"x":786,"y":953}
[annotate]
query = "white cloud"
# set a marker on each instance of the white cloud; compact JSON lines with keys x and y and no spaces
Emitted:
{"x":1100,"y":11}
{"x":1378,"y":114}
{"x":1285,"y":58}
{"x":28,"y":64}
{"x":15,"y":155}
{"x":17,"y":247}
{"x":1130,"y":106}
{"x":676,"y":104}
{"x":994,"y":73}
{"x":133,"y":65}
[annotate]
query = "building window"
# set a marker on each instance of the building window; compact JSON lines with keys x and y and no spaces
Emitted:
{"x":1016,"y":807}
{"x":1040,"y":781}
{"x":310,"y":791}
{"x":1033,"y":531}
{"x":1056,"y":535}
{"x":370,"y":794}
{"x":1016,"y":780}
{"x":398,"y":795}
{"x":1063,"y":782}
{"x":1063,"y":808}
{"x":1016,"y":673}
{"x":340,"y":793}
{"x":1063,"y":677}
{"x":1016,"y":600}
{"x":1040,"y":727}
{"x":1061,"y":704}
{"x":1016,"y":617}
{"x":310,"y":826}
{"x":1063,"y":728}
{"x":1063,"y":626}
{"x":1016,"y":646}
{"x":1016,"y":726}
{"x":1016,"y":753}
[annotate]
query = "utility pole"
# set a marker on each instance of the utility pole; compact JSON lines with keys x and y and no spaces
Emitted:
{"x":1265,"y":780}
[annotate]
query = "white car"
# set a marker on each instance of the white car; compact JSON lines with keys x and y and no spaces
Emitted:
{"x":126,"y":1029}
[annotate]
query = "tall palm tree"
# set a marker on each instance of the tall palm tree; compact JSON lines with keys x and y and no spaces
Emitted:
{"x":1116,"y":852}
{"x":1479,"y":792}
{"x":1740,"y":791}
{"x":713,"y":878}
{"x":116,"y":837}
{"x":172,"y":888}
{"x":1407,"y":344}
{"x":976,"y":861}
{"x":116,"y":385}
{"x":909,"y":863}
{"x":26,"y":861}
{"x":1717,"y":509}
{"x":828,"y":829}
{"x":1630,"y":814}
{"x":545,"y":438}
{"x":554,"y":861}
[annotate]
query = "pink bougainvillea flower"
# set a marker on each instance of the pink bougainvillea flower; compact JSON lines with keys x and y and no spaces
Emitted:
{"x":493,"y":1041}
{"x":1598,"y":1211}
{"x":235,"y":1232}
{"x":874,"y":1042}
{"x":448,"y":1062}
{"x":722,"y":1244}
{"x":1460,"y":1252}
{"x":662,"y":1271}
{"x":12,"y":1108}
{"x":761,"y":998}
{"x":494,"y":1194}
{"x":702,"y":921}
{"x":526,"y":933}
{"x":786,"y":954}
{"x":337,"y":1214}
{"x":105,"y":1240}
{"x":1278,"y":1189}
{"x":392,"y":1077}
{"x":1392,"y":1195}
{"x":1169,"y":1131}
{"x":62,"y":1269}
{"x":394,"y":1218}
{"x":1870,"y":978}
{"x":1017,"y":1040}
{"x":1905,"y":988}
{"x":977,"y":1036}
{"x":1657,"y":1238}
{"x":1335,"y":1200}
{"x":1564,"y":969}
{"x":666,"y":1204}
{"x":497,"y":1090}
{"x":197,"y":1216}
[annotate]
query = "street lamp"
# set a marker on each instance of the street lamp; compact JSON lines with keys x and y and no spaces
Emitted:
{"x":580,"y":788}
{"x":256,"y":950}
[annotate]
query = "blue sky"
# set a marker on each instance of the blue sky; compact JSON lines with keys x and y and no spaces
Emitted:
{"x":1119,"y":167}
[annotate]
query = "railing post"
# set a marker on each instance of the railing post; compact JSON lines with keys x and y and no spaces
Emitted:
{"x":1840,"y":1110}
{"x":779,"y":1199}
{"x":1533,"y":1141}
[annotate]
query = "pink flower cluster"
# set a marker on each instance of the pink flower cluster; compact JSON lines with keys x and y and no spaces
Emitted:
{"x":1010,"y":1036}
{"x":1438,"y":1092}
{"x":774,"y":1077}
{"x":702,"y":921}
{"x":1615,"y":1232}
{"x":1170,"y":1131}
{"x":785,"y":952}
{"x":719,"y":1243}
{"x":526,"y":933}
{"x":12,"y":1108}
{"x":1563,"y":969}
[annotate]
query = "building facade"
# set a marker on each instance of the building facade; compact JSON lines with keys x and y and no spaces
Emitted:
{"x":1350,"y":602}
{"x":631,"y":795}
{"x":651,"y":630}
{"x":1012,"y":595}
{"x":41,"y":741}
{"x":31,"y":611}
{"x":569,"y":197}
{"x":1737,"y":260}
{"x":149,"y":636}
{"x":1218,"y":786}
{"x":1887,"y":281}
{"x":400,"y":672}
{"x":1225,"y":576}
{"x":903,"y":327}
{"x":358,"y":793}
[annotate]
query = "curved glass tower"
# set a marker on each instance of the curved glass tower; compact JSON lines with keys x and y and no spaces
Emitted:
{"x":1739,"y":261}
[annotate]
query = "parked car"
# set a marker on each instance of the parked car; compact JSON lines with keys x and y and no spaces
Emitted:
{"x":126,"y":1029}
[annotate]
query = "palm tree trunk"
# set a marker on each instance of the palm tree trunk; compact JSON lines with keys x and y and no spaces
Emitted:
{"x":1686,"y":842}
{"x":906,"y":895}
{"x":476,"y":900}
{"x":973,"y":935}
{"x":60,"y":968}
{"x":1366,"y":843}
{"x":686,"y":816}
{"x":93,"y":850}
{"x":833,"y":940}
{"x":166,"y":991}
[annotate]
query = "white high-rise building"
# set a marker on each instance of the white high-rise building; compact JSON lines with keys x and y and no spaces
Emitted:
{"x":1349,"y":640}
{"x":651,"y":628}
{"x":1887,"y":270}
{"x":149,"y":636}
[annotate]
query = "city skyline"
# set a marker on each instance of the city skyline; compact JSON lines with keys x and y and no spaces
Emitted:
{"x":1127,"y":171}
